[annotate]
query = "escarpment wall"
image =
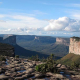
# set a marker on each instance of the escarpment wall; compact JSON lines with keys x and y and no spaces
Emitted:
{"x":74,"y":46}
{"x":6,"y":49}
{"x":64,"y":41}
{"x":10,"y":40}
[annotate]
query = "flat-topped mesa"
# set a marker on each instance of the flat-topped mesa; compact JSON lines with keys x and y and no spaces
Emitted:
{"x":64,"y":41}
{"x":74,"y":46}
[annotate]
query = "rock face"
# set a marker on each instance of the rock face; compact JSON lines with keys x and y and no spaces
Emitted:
{"x":10,"y":40}
{"x":64,"y":41}
{"x":6,"y":49}
{"x":74,"y":46}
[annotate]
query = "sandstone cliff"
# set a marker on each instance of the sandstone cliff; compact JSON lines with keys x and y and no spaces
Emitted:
{"x":74,"y":46}
{"x":64,"y":41}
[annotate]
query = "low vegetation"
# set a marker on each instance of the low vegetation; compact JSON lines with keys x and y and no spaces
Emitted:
{"x":76,"y":38}
{"x":48,"y":66}
{"x":5,"y":49}
{"x":45,"y":45}
{"x":16,"y":56}
{"x":70,"y":59}
{"x":34,"y":58}
{"x":2,"y":58}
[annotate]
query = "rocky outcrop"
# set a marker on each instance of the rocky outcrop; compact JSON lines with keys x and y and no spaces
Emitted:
{"x":64,"y":41}
{"x":11,"y":39}
{"x":74,"y":46}
{"x":21,"y":69}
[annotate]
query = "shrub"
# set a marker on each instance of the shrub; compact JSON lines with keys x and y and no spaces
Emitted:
{"x":48,"y":66}
{"x":2,"y":58}
{"x":41,"y":68}
{"x":34,"y":58}
{"x":17,"y":56}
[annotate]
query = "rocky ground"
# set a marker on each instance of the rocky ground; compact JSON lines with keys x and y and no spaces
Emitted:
{"x":24,"y":69}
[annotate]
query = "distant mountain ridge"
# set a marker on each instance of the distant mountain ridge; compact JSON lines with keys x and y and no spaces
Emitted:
{"x":44,"y":44}
{"x":9,"y":39}
{"x":41,"y":44}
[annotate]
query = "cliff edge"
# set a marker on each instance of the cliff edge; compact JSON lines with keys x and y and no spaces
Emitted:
{"x":74,"y":46}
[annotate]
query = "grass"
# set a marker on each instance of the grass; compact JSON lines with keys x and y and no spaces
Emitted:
{"x":69,"y":58}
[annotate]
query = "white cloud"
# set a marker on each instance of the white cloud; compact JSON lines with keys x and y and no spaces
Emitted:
{"x":19,"y":24}
{"x":0,"y":2}
{"x":38,"y":12}
{"x":74,"y":5}
{"x":2,"y":16}
{"x":63,"y":24}
{"x":73,"y":13}
{"x":15,"y":21}
{"x":77,"y":16}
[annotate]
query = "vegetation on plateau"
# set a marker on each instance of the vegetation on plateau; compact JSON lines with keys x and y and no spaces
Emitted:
{"x":44,"y":45}
{"x":5,"y":49}
{"x":76,"y":38}
{"x":16,"y":56}
{"x":48,"y":66}
{"x":71,"y":60}
{"x":34,"y":58}
{"x":2,"y":58}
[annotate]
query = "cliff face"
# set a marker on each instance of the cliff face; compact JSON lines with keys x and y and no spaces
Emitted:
{"x":74,"y":46}
{"x":64,"y":41}
{"x":10,"y":40}
{"x":6,"y":49}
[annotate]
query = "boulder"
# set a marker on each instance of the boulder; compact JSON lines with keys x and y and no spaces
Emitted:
{"x":78,"y":76}
{"x":39,"y":75}
{"x":7,"y":73}
{"x":13,"y":69}
{"x":29,"y":70}
{"x":27,"y":75}
{"x":59,"y":76}
{"x":63,"y":67}
{"x":39,"y":79}
{"x":19,"y":74}
{"x":10,"y":78}
{"x":19,"y":78}
{"x":49,"y":74}
{"x":17,"y":68}
{"x":0,"y":70}
{"x":13,"y":74}
{"x":3,"y":62}
{"x":3,"y":77}
{"x":59,"y":65}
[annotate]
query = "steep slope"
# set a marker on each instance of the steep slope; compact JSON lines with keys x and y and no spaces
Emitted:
{"x":70,"y":58}
{"x":27,"y":53}
{"x":6,"y":49}
{"x":43,"y":44}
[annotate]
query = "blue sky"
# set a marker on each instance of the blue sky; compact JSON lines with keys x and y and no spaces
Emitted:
{"x":40,"y":17}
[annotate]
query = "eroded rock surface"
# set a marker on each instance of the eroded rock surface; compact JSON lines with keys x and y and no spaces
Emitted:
{"x":24,"y":69}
